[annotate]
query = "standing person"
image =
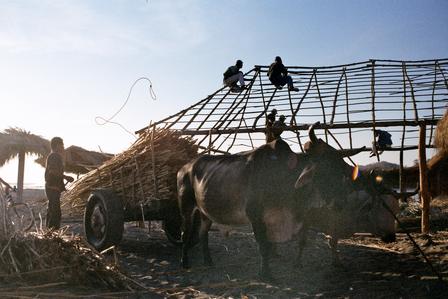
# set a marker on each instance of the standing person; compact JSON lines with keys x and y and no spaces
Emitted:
{"x":278,"y":75}
{"x":54,"y":182}
{"x":278,"y":127}
{"x":233,"y":75}
{"x":270,"y":120}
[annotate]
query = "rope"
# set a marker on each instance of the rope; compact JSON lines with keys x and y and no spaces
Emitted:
{"x":101,"y":121}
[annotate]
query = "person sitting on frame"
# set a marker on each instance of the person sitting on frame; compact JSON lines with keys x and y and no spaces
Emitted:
{"x":383,"y":140}
{"x":278,"y":75}
{"x":233,"y":75}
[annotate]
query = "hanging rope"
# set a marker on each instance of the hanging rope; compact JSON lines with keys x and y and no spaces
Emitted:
{"x":101,"y":121}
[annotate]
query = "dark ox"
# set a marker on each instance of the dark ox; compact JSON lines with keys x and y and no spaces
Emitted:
{"x":361,"y":203}
{"x":270,"y":187}
{"x":360,"y":211}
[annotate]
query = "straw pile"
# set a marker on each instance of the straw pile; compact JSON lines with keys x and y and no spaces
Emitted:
{"x":46,"y":258}
{"x":441,"y":138}
{"x":144,"y":172}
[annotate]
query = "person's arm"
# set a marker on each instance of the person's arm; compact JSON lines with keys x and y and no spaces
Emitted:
{"x":284,"y":71}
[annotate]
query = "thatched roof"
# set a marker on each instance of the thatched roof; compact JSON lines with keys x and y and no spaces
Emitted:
{"x":441,"y":138}
{"x":14,"y":140}
{"x":79,"y":160}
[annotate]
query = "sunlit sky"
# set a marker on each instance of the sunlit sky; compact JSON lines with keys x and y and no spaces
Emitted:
{"x":65,"y":62}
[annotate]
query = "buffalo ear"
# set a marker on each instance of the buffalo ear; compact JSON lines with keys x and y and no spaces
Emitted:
{"x":305,"y":177}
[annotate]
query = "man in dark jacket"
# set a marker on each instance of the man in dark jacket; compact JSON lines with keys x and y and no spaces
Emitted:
{"x":278,"y":75}
{"x":233,"y":75}
{"x":54,"y":182}
{"x":384,"y":141}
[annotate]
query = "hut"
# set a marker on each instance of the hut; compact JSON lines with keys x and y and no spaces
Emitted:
{"x":79,"y":160}
{"x":18,"y":142}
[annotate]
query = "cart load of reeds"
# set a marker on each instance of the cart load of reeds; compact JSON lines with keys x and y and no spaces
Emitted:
{"x":47,"y":258}
{"x":144,"y":172}
{"x":441,"y":138}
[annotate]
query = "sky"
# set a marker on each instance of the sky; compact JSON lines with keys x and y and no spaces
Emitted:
{"x":65,"y":62}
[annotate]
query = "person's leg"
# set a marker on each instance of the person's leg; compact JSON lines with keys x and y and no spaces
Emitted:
{"x":232,"y":80}
{"x":241,"y":79}
{"x":54,"y":209}
{"x":290,"y":84}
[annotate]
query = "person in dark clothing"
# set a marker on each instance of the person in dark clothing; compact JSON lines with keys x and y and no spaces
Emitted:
{"x":384,"y":141}
{"x":270,"y":120}
{"x":233,"y":75}
{"x":278,"y":75}
{"x":278,"y":127}
{"x":54,"y":182}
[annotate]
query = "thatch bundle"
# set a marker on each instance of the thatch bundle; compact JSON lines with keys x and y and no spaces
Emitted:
{"x":441,"y":138}
{"x":48,"y":258}
{"x":144,"y":172}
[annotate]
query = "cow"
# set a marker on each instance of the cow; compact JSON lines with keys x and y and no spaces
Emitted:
{"x":268,"y":187}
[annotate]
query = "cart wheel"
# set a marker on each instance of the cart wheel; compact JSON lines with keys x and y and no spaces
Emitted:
{"x":103,"y":219}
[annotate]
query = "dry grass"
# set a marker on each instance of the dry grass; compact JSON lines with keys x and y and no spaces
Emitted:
{"x":441,"y":137}
{"x":144,"y":172}
{"x":48,"y":258}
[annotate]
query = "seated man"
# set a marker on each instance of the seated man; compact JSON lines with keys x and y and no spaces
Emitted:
{"x":233,"y":75}
{"x":384,"y":141}
{"x":278,"y":75}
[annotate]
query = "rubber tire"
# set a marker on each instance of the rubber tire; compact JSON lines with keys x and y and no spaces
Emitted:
{"x":110,"y":207}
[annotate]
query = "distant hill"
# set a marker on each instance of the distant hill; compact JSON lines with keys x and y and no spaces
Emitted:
{"x":383,"y":165}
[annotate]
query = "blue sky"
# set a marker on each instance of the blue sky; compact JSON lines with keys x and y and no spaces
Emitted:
{"x":65,"y":62}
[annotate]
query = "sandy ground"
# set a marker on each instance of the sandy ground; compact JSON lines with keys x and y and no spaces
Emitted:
{"x":370,"y":268}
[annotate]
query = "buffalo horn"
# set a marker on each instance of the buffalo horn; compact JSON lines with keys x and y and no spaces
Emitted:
{"x":311,"y":133}
{"x":351,"y":152}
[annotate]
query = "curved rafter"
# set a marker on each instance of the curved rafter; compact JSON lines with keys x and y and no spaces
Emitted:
{"x":348,"y":99}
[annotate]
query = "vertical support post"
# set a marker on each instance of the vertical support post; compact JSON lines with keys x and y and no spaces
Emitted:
{"x":372,"y":91}
{"x":21,"y":175}
{"x":424,"y":192}
{"x":401,"y":174}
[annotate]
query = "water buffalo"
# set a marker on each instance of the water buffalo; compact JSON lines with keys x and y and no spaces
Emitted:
{"x":262,"y":187}
{"x":362,"y":202}
{"x":359,"y":212}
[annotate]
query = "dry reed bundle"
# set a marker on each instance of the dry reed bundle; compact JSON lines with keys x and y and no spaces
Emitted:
{"x":47,"y":258}
{"x":144,"y":172}
{"x":441,"y":137}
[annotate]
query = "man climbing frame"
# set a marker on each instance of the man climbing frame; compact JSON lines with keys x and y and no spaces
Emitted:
{"x":278,"y":127}
{"x":270,"y":120}
{"x":384,"y":141}
{"x":233,"y":75}
{"x":278,"y":75}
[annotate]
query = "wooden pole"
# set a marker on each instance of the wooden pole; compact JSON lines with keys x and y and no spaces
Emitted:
{"x":424,"y":192}
{"x":21,"y":175}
